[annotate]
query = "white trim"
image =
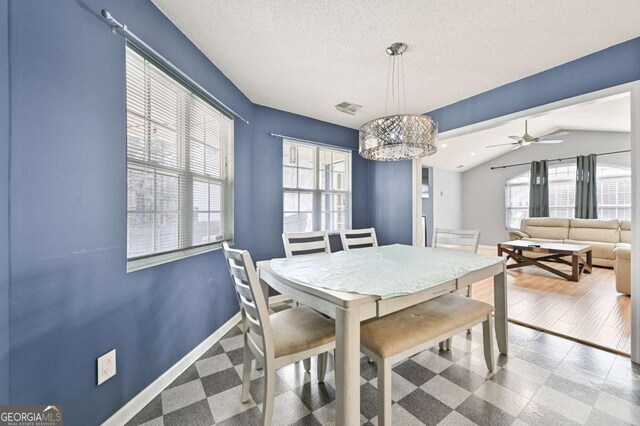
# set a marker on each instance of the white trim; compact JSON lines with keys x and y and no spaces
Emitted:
{"x":635,"y":219}
{"x":138,"y":402}
{"x":416,"y":214}
{"x":160,"y":259}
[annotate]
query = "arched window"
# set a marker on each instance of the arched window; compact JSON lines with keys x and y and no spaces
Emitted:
{"x":614,"y":193}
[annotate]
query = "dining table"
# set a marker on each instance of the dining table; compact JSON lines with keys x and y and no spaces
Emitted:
{"x":358,"y":285}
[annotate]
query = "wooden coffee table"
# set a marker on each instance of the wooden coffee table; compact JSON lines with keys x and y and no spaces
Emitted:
{"x":581,"y":256}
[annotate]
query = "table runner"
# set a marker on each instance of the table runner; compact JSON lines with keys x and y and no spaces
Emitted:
{"x":385,"y":271}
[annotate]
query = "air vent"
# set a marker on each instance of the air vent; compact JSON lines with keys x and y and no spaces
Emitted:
{"x":348,"y":108}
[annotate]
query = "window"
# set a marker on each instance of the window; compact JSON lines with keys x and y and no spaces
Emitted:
{"x":614,"y":193}
{"x":179,"y":167}
{"x":317,"y":187}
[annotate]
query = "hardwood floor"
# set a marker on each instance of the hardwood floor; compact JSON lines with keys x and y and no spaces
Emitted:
{"x":590,"y":311}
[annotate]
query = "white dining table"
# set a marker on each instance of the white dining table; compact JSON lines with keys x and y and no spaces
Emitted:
{"x":349,"y":309}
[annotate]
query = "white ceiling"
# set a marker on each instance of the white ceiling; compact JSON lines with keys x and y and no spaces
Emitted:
{"x":611,"y":114}
{"x":306,"y":56}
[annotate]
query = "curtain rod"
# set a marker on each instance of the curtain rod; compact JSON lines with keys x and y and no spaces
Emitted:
{"x":276,"y":135}
{"x":115,"y":25}
{"x":559,"y":159}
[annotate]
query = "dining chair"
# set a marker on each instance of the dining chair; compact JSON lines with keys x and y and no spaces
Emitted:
{"x":299,"y":243}
{"x":405,"y":333}
{"x":278,"y":339}
{"x":460,"y":239}
{"x":358,"y":238}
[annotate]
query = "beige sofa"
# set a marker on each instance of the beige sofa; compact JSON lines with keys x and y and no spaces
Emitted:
{"x":610,"y":240}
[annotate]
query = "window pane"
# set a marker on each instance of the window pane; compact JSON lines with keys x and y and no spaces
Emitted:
{"x":215,"y":197}
{"x":290,"y":177}
{"x":305,"y":156}
{"x":166,"y":231}
{"x":200,"y":196}
{"x":139,"y":234}
{"x":215,"y":227}
{"x":306,"y":202}
{"x":139,"y":190}
{"x":200,"y":230}
{"x":297,"y":222}
{"x":305,"y":179}
{"x":290,"y":201}
{"x":166,"y":193}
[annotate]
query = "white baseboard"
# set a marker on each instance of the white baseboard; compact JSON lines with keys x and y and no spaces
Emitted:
{"x":131,"y":408}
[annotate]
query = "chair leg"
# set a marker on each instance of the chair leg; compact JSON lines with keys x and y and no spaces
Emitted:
{"x":448,"y":343}
{"x":307,"y":364}
{"x":246,"y":373}
{"x":487,"y":342}
{"x":469,"y":295}
{"x":322,"y":366}
{"x":269,"y":394}
{"x":441,"y":345}
{"x":384,"y":393}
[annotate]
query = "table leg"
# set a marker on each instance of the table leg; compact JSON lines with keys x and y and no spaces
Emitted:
{"x":500,"y":305}
{"x":575,"y":268}
{"x":347,"y":367}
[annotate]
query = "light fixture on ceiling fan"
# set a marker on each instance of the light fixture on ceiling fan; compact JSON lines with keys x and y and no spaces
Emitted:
{"x":527,"y":139}
{"x":401,"y":136}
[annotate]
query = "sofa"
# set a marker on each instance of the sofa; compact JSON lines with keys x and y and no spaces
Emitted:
{"x":610,"y":241}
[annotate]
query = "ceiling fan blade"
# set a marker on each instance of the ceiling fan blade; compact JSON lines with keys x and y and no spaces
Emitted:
{"x":555,"y":135}
{"x":502,"y":144}
{"x":550,"y":141}
{"x":515,"y":137}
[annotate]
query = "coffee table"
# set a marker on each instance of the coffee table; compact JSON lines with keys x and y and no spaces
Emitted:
{"x":581,"y":256}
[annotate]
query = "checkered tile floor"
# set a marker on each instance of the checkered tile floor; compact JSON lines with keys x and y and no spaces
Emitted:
{"x":546,"y":380}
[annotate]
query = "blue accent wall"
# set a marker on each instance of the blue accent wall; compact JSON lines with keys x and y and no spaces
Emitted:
{"x":610,"y":67}
{"x":70,"y":297}
{"x":4,"y":202}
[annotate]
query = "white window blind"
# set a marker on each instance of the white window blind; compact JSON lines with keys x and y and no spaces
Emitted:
{"x":613,"y":192}
{"x":317,"y":187}
{"x":179,"y":165}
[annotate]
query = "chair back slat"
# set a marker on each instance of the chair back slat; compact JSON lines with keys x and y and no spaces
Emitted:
{"x":457,"y":238}
{"x":358,"y":238}
{"x":299,"y":243}
{"x":252,"y":301}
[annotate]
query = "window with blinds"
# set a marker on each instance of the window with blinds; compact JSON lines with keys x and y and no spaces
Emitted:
{"x":179,"y":166}
{"x":317,"y":187}
{"x":613,"y":192}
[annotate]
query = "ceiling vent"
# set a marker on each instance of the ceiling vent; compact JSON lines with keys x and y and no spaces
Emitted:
{"x":348,"y":108}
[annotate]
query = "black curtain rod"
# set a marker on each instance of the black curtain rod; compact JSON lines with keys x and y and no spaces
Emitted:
{"x":559,"y":159}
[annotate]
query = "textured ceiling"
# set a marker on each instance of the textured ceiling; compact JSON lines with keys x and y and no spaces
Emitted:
{"x":610,"y":114}
{"x":305,"y":56}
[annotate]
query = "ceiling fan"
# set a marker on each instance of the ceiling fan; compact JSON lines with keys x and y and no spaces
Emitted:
{"x":527,"y":139}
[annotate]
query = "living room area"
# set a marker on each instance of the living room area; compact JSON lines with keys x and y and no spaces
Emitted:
{"x":549,"y":189}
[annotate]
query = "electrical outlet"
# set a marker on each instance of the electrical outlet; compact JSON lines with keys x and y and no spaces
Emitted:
{"x":106,"y":366}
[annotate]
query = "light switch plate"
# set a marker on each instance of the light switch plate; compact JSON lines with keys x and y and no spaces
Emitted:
{"x":106,"y":366}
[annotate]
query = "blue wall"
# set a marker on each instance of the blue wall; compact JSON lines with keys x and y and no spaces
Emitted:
{"x":610,"y":67}
{"x":4,"y":202}
{"x":71,"y":300}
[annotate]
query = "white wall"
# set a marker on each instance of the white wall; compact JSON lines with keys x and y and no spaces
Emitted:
{"x":482,"y":203}
{"x":447,"y":199}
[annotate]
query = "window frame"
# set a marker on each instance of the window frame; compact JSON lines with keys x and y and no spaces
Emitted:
{"x":316,"y":192}
{"x":570,"y":178}
{"x":186,"y":212}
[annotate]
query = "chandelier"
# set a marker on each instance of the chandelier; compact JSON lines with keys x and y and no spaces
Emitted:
{"x":400,"y":136}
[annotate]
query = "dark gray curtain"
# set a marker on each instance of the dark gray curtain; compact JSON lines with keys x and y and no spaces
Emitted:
{"x":586,"y":189}
{"x":539,"y":189}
